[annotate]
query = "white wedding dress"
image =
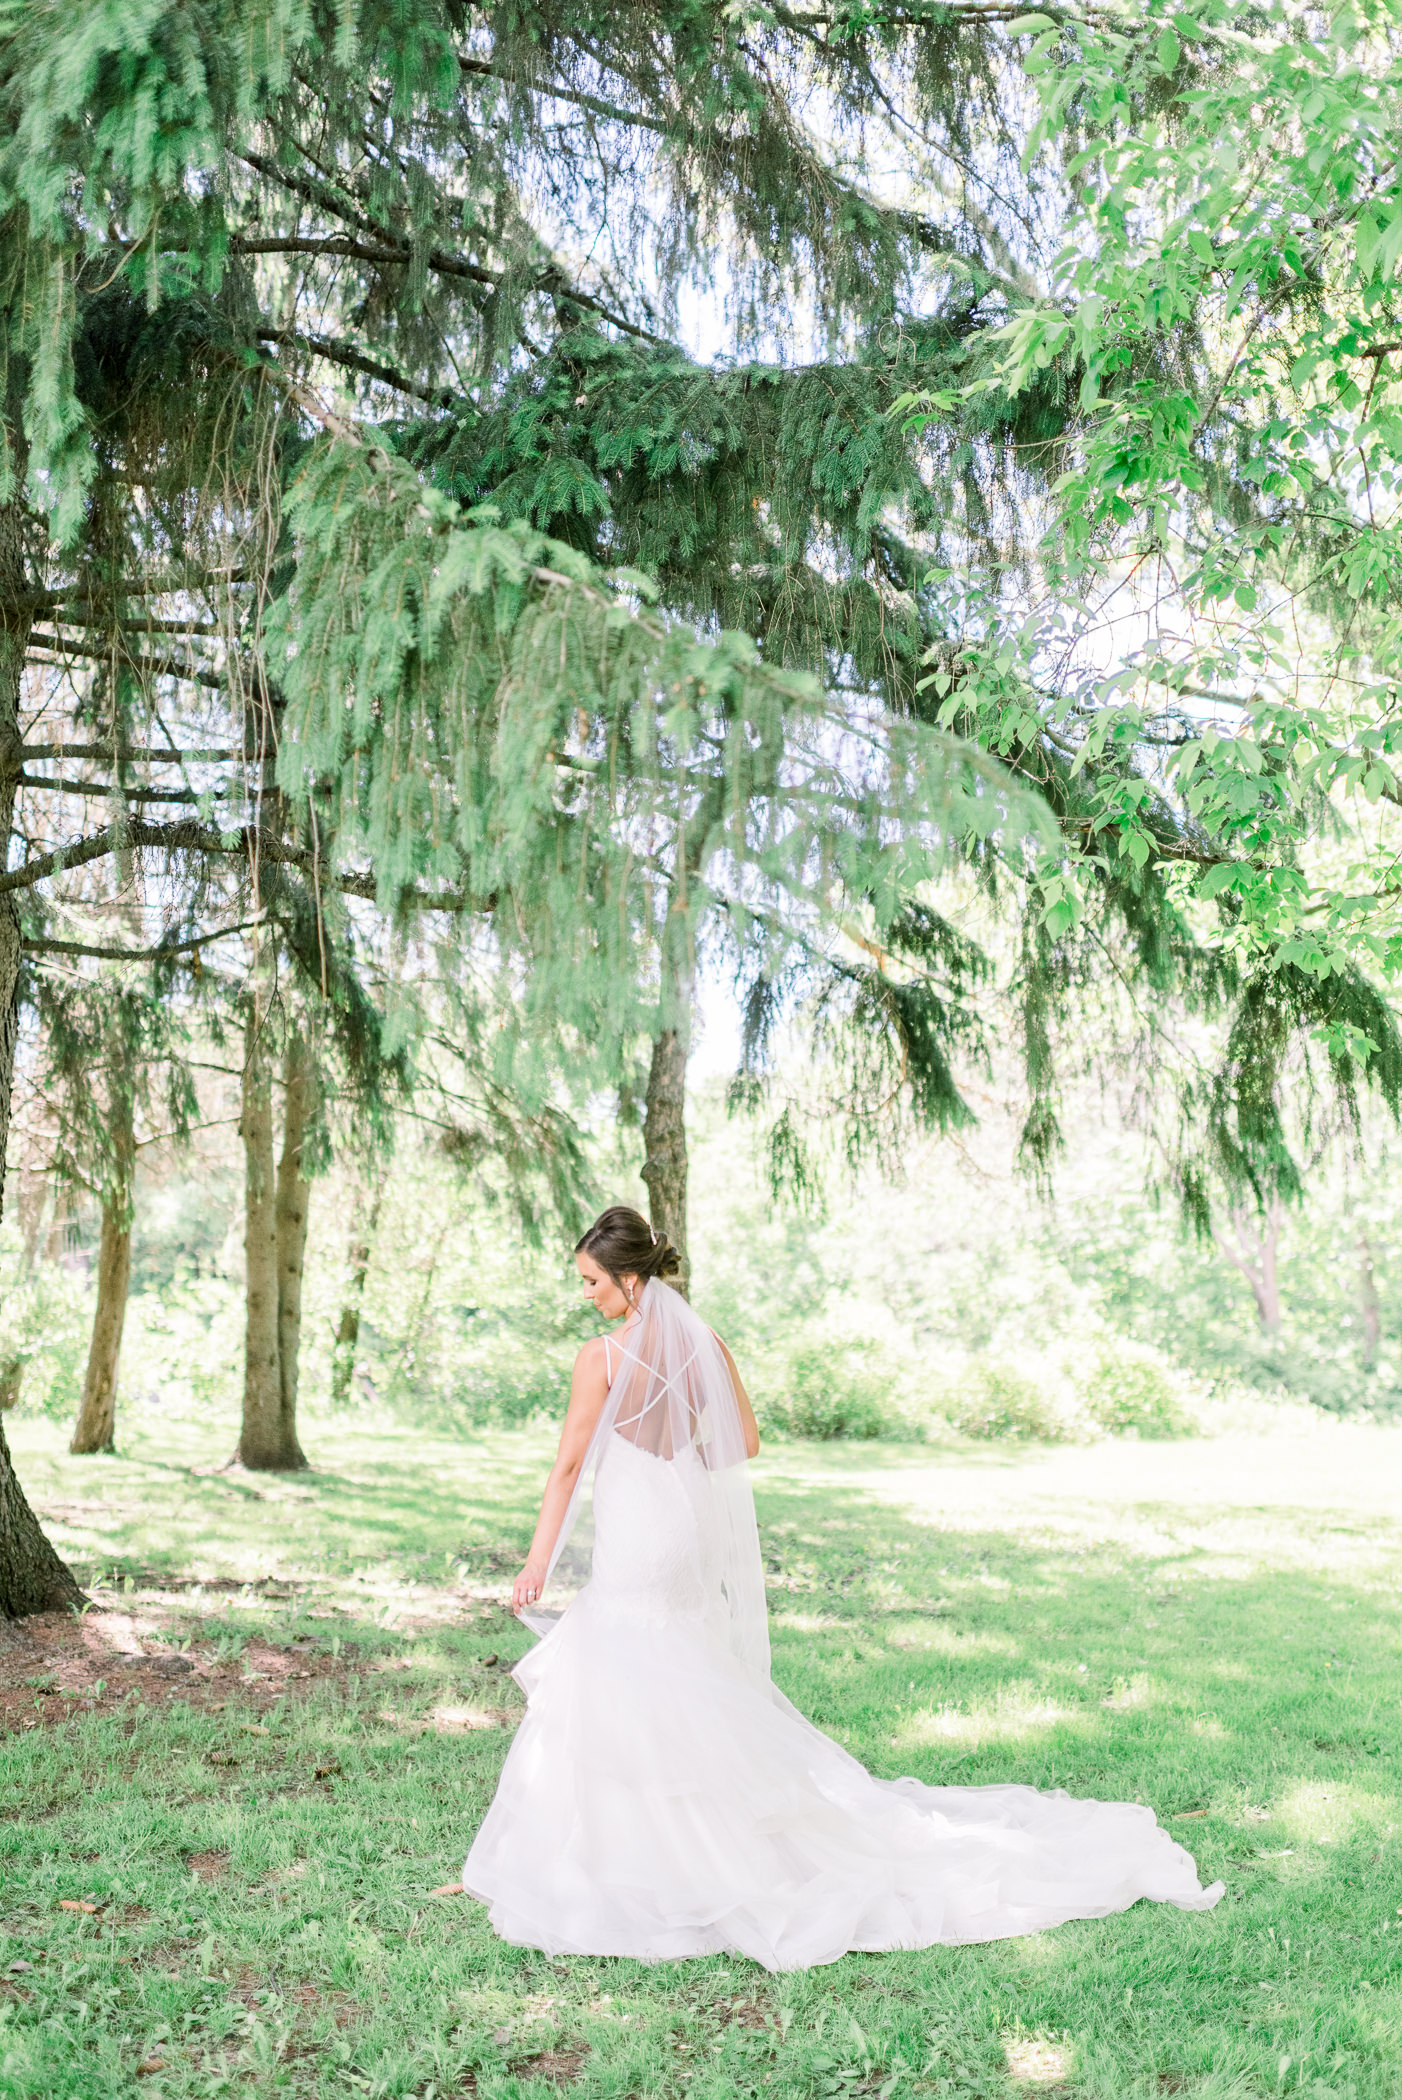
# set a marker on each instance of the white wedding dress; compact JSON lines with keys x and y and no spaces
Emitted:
{"x":662,"y":1798}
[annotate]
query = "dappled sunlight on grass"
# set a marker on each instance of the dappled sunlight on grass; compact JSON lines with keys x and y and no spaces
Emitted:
{"x":939,"y":1640}
{"x":1034,"y":2063}
{"x":1017,"y":1714}
{"x":1211,"y":1631}
{"x":1316,"y":1812}
{"x":1126,"y":1696}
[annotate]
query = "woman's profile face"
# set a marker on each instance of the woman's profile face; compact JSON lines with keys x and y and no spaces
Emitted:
{"x":601,"y":1290}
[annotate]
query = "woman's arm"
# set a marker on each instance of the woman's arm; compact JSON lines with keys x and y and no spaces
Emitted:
{"x":588,"y":1389}
{"x":747,"y":1414}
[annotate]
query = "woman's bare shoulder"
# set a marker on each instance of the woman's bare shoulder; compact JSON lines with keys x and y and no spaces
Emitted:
{"x":593,"y":1358}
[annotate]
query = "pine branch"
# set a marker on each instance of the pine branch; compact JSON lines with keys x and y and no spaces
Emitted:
{"x":342,"y":353}
{"x":157,"y":666}
{"x":133,"y":754}
{"x":129,"y":587}
{"x":316,"y":190}
{"x":552,"y":281}
{"x":558,"y":92}
{"x":939,"y":13}
{"x":103,"y":787}
{"x":148,"y":625}
{"x":105,"y":953}
{"x":247,"y":842}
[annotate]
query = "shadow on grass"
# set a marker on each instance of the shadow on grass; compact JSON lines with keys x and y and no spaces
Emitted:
{"x":1254,"y":1707}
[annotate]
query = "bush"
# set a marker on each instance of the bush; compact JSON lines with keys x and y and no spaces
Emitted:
{"x":830,"y":1396}
{"x":1126,"y":1392}
{"x":998,"y":1401}
{"x":45,"y":1316}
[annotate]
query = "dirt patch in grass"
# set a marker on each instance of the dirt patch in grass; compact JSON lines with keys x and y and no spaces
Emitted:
{"x":560,"y":2066}
{"x":56,"y":1664}
{"x":207,"y":1866}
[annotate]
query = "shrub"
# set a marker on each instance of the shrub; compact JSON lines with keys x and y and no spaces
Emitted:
{"x":45,"y":1315}
{"x":999,"y":1401}
{"x":830,"y":1396}
{"x":1127,"y":1392}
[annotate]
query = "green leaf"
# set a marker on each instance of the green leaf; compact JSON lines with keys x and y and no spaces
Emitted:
{"x":1168,"y":51}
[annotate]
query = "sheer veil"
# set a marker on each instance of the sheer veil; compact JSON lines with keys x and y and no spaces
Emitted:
{"x":673,"y":1399}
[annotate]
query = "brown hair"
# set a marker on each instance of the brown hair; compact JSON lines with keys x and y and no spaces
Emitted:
{"x":622,"y":1241}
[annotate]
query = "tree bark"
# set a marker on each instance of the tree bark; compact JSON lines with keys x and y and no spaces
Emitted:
{"x":294,"y":1191}
{"x":261,"y":1442}
{"x":32,"y":1577}
{"x":96,"y":1427}
{"x":362,"y":1240}
{"x":664,"y":1126}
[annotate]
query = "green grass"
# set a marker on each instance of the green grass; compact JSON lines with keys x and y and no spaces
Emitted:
{"x":1207,"y":1626}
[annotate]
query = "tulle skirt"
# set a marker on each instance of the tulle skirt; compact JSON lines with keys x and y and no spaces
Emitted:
{"x":658,"y":1803}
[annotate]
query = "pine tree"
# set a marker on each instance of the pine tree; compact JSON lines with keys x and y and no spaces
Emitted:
{"x":419,"y":251}
{"x":480,"y":227}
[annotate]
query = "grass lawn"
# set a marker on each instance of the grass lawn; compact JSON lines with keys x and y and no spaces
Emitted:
{"x":1211,"y":1627}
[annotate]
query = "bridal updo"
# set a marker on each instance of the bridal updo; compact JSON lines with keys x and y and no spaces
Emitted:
{"x":621,"y":1241}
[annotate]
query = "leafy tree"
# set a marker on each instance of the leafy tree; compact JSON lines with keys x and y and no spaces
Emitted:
{"x":1222,"y":307}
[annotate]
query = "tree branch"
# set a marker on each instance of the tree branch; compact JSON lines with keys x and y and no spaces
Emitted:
{"x":243,"y":843}
{"x":158,"y":666}
{"x":182,"y":837}
{"x":104,"y":787}
{"x":613,"y":111}
{"x":346,"y":354}
{"x":129,"y":587}
{"x":551,"y":281}
{"x":133,"y":754}
{"x":104,"y":953}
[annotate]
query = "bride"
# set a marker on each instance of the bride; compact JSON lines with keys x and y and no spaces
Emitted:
{"x":662,"y":1797}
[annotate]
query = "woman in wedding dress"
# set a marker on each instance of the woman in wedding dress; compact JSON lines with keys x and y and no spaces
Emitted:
{"x":662,"y":1797}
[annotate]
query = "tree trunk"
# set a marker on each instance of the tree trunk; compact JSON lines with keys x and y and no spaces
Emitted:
{"x":261,"y":1443}
{"x":664,"y":1127}
{"x":14,"y":641}
{"x":294,"y":1191}
{"x":1369,"y":1303}
{"x":1257,"y":1244}
{"x":362,"y":1239}
{"x":96,"y":1427}
{"x":32,"y":1577}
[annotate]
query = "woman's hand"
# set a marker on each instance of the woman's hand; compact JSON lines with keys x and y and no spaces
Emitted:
{"x":528,"y":1585}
